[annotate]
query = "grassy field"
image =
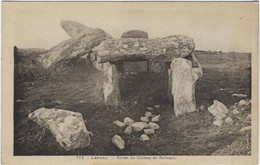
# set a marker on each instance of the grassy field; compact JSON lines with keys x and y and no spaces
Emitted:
{"x":78,"y":87}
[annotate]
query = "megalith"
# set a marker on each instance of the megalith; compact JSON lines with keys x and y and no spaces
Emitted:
{"x":111,"y":88}
{"x":184,"y":78}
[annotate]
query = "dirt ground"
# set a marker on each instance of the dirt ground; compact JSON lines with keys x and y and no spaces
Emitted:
{"x":78,"y":88}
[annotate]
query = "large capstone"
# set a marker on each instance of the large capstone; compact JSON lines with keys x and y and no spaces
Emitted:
{"x":123,"y":49}
{"x":67,"y":127}
{"x":184,"y":78}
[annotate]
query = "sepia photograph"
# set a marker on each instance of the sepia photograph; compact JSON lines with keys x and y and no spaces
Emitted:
{"x":130,"y":80}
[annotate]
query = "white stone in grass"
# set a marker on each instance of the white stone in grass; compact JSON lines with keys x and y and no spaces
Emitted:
{"x":235,"y":112}
{"x":229,"y":121}
{"x":128,"y":121}
{"x":139,"y":126}
{"x":148,"y":114}
{"x":144,"y":137}
{"x":218,"y":123}
{"x":153,"y":125}
{"x":119,"y":123}
{"x":149,"y":131}
{"x":149,"y":108}
{"x":145,"y":119}
{"x":128,"y":130}
{"x":157,"y":106}
{"x":119,"y":142}
{"x":156,"y":118}
{"x":242,"y":102}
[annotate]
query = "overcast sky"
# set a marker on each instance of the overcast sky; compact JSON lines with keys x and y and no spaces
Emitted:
{"x":213,"y":26}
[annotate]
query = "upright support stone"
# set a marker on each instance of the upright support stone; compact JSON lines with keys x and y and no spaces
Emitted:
{"x":169,"y":84}
{"x":184,"y":79}
{"x":111,"y":89}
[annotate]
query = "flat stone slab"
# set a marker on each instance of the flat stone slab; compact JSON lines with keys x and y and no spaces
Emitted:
{"x":124,"y":49}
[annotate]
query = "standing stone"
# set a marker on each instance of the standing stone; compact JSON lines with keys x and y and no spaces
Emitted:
{"x":111,"y":89}
{"x":170,"y":84}
{"x":184,"y":78}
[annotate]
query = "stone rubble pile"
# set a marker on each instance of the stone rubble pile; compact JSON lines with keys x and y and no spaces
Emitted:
{"x":147,"y":125}
{"x":224,"y":115}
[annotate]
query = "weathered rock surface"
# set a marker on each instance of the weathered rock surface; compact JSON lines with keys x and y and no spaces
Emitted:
{"x":156,"y":118}
{"x":184,"y":78}
{"x":218,"y":110}
{"x":128,"y":121}
{"x":144,"y":137}
{"x":128,"y":130}
{"x":145,"y":119}
{"x":81,"y":44}
{"x":135,"y":34}
{"x":165,"y":48}
{"x":153,"y":125}
{"x":67,"y":127}
{"x":111,"y":88}
{"x":118,"y":141}
{"x":149,"y":131}
{"x":74,"y":29}
{"x":139,"y":126}
{"x":119,"y":123}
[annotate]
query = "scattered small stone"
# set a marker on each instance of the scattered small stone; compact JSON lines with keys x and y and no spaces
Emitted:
{"x":202,"y":108}
{"x":156,"y":118}
{"x":149,"y":108}
{"x":229,"y":121}
{"x":242,"y":102}
{"x":144,"y":137}
{"x":149,"y":131}
{"x":148,"y":114}
{"x":218,"y":109}
{"x":128,"y":130}
{"x":248,"y":128}
{"x":150,"y":98}
{"x":119,"y":142}
{"x":248,"y":117}
{"x":119,"y":124}
{"x":145,"y":119}
{"x":128,"y":121}
{"x":81,"y":101}
{"x":157,"y":106}
{"x":133,"y":73}
{"x":242,"y":109}
{"x":153,"y":125}
{"x":239,"y":95}
{"x":235,"y":112}
{"x":19,"y":101}
{"x":139,"y":126}
{"x":218,"y":123}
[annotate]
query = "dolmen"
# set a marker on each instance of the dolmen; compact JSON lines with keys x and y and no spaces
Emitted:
{"x":108,"y":55}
